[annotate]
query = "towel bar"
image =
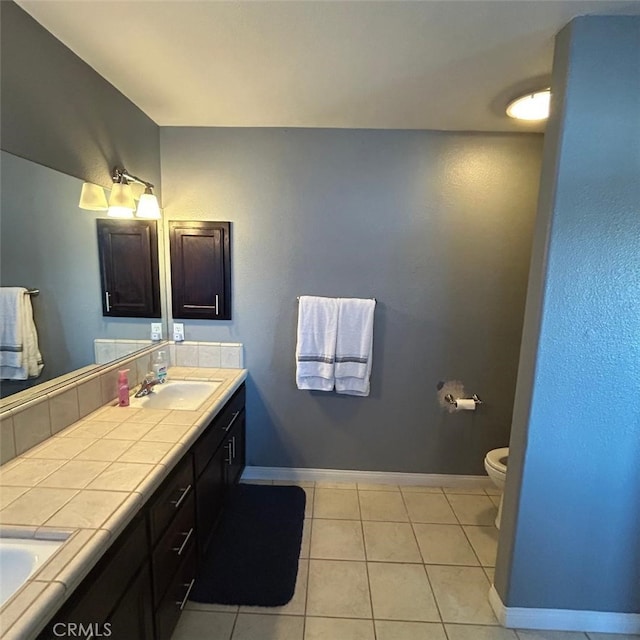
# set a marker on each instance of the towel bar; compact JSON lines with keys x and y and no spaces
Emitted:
{"x":33,"y":292}
{"x":298,"y":298}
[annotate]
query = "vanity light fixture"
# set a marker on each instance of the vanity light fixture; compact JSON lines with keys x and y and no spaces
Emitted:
{"x":92,"y":197}
{"x":122,"y":198}
{"x":148,"y":205}
{"x":121,"y":202}
{"x":533,"y":106}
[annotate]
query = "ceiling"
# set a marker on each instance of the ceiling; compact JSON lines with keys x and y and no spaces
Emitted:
{"x":449,"y":64}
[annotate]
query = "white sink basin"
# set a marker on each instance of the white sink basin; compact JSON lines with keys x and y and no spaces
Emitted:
{"x":187,"y":395}
{"x":19,"y":558}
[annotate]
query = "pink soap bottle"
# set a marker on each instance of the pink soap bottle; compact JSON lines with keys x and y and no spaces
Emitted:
{"x":123,"y":388}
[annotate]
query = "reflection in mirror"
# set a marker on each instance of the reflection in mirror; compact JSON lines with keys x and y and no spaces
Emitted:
{"x":48,"y":243}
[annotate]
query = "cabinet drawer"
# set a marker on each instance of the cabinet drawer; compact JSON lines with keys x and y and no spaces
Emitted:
{"x":173,"y":547}
{"x":170,"y":497}
{"x":209,"y":442}
{"x":170,"y":607}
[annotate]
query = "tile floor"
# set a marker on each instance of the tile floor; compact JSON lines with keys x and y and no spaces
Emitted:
{"x":382,"y":562}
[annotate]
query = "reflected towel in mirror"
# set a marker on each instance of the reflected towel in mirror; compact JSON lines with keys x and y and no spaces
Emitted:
{"x":20,"y":356}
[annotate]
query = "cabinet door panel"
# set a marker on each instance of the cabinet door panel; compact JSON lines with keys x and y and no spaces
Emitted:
{"x":133,"y":617}
{"x":208,"y":443}
{"x":129,"y":268}
{"x":200,"y":269}
{"x":210,"y":496}
{"x":235,"y":451}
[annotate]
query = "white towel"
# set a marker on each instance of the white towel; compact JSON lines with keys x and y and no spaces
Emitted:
{"x":354,"y":346}
{"x":20,"y":357}
{"x":316,"y":347}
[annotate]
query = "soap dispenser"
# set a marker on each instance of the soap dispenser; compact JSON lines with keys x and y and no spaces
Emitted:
{"x":123,"y":388}
{"x":160,"y":366}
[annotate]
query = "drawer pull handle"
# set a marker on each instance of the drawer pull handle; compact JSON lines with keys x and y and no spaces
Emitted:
{"x":180,"y":549}
{"x":229,"y":460}
{"x":186,"y":595}
{"x":233,"y":447}
{"x":178,"y":502}
{"x":235,"y":417}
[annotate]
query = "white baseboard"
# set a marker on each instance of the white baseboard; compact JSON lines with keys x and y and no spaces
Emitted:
{"x":563,"y":619}
{"x":291,"y":474}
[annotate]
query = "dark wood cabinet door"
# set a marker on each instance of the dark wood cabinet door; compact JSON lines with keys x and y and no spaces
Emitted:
{"x":129,"y":268}
{"x":237,"y":450}
{"x":200,"y":269}
{"x":210,"y":498}
{"x":133,"y":617}
{"x":234,"y":451}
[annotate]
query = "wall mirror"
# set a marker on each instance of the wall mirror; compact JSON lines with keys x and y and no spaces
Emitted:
{"x":48,"y":243}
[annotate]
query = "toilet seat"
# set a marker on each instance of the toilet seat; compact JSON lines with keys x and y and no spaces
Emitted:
{"x":494,"y":457}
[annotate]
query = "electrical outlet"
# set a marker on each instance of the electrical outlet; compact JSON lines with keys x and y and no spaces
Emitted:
{"x":156,"y":331}
{"x":178,"y":331}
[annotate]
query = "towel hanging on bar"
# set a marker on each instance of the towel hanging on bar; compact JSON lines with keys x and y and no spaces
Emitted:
{"x":20,"y":356}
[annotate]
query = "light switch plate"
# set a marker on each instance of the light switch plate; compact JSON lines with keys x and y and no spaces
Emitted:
{"x":156,"y":331}
{"x":178,"y":331}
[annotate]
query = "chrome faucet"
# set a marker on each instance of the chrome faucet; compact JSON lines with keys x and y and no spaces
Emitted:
{"x":146,"y":386}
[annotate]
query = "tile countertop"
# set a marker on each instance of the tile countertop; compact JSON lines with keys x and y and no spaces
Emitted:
{"x":85,"y":484}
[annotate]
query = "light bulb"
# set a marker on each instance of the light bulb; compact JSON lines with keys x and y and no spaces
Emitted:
{"x":533,"y":106}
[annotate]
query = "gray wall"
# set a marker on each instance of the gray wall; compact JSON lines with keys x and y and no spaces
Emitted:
{"x":57,"y":111}
{"x":436,"y":226}
{"x":571,"y":533}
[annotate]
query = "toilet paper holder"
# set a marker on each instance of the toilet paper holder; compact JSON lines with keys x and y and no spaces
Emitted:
{"x":451,"y":400}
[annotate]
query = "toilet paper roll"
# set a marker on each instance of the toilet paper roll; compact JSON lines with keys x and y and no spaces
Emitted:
{"x":465,"y":404}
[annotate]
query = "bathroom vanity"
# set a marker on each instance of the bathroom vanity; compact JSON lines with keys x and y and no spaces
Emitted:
{"x":130,"y":575}
{"x":142,"y":583}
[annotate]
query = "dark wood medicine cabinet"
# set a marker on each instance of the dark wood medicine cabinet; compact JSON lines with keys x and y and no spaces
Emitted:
{"x":129,"y":273}
{"x":200,"y":269}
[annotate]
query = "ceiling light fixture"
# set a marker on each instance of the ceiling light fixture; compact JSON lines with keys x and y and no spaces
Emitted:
{"x":532,"y":106}
{"x":122,"y":199}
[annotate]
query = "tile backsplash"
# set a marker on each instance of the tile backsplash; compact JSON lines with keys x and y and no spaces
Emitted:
{"x":228,"y":355}
{"x":30,"y":423}
{"x":108,"y":350}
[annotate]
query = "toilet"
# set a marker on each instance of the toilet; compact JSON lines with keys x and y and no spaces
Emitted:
{"x":495,"y":463}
